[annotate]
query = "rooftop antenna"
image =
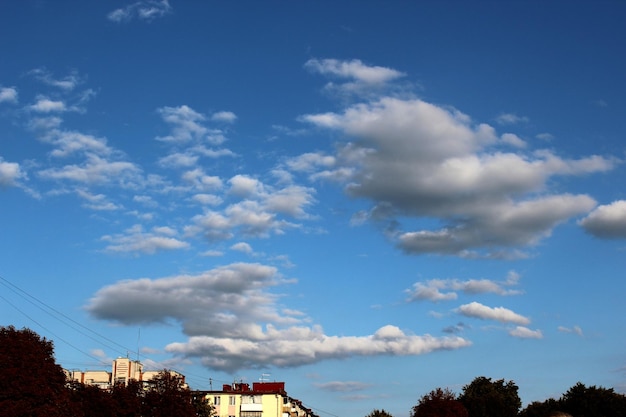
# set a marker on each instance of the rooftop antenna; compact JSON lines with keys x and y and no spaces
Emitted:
{"x":264,"y":377}
{"x":211,"y":384}
{"x":138,"y":337}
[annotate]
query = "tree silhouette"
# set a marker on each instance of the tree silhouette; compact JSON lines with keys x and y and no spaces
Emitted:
{"x":379,"y":413}
{"x":484,"y":398}
{"x":439,"y":403}
{"x":593,"y":401}
{"x":32,"y":384}
{"x":167,"y":397}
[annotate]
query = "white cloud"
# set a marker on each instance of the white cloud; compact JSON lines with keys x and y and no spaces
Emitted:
{"x":526,"y":333}
{"x":97,"y":170}
{"x":354,"y":69}
{"x":510,"y":119}
{"x":501,"y":314}
{"x":355,"y":77}
{"x":46,"y":105}
{"x":431,"y":290}
{"x":242,"y":247}
{"x":224,"y":116}
{"x":513,"y":140}
{"x":575,"y":330}
{"x":607,"y":221}
{"x":147,"y":10}
{"x":414,"y":159}
{"x":185,"y":122}
{"x":67,"y":83}
{"x":135,"y":240}
{"x":297,"y":346}
{"x":98,"y":202}
{"x":8,"y":95}
{"x":234,"y":322}
{"x":10,"y":173}
{"x":178,"y":159}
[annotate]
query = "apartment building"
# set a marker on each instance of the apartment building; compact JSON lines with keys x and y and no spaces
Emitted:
{"x":264,"y":399}
{"x":122,"y":371}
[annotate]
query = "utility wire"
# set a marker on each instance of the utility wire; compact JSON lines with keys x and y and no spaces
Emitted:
{"x":48,"y":330}
{"x":28,"y":297}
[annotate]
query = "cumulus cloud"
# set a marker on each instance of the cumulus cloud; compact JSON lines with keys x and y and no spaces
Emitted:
{"x":10,"y":173}
{"x":234,"y":321}
{"x":501,"y":314}
{"x":146,"y":10}
{"x":96,"y":170}
{"x":46,"y":105}
{"x":297,"y":346}
{"x":446,"y":289}
{"x":257,"y":210}
{"x":242,"y":247}
{"x":8,"y":95}
{"x":414,"y":159}
{"x":607,"y":221}
{"x":135,"y":240}
{"x":526,"y":333}
{"x":98,"y":202}
{"x":224,"y":116}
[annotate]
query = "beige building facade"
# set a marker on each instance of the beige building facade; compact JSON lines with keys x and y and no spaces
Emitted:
{"x":122,"y":371}
{"x":263,"y":399}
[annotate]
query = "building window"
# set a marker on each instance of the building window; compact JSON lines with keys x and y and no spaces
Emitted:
{"x":231,"y":400}
{"x":216,"y":400}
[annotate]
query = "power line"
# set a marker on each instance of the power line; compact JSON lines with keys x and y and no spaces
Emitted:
{"x":64,"y":318}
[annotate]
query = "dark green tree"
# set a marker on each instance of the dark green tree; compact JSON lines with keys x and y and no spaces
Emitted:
{"x":32,"y":384}
{"x":379,"y":413}
{"x":167,"y":396}
{"x":439,"y":403}
{"x":582,"y":401}
{"x":202,"y":406}
{"x":90,"y":401}
{"x":486,"y":398}
{"x":127,"y":399}
{"x":541,"y":409}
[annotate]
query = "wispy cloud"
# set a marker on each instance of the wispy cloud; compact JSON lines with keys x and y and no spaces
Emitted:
{"x":135,"y":240}
{"x":446,"y":289}
{"x":147,"y":10}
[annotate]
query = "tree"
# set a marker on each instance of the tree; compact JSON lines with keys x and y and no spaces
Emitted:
{"x":541,"y":409}
{"x":202,"y":406}
{"x":32,"y":384}
{"x":127,"y":399}
{"x":379,"y":413}
{"x":439,"y":403}
{"x":90,"y":401}
{"x":593,"y":401}
{"x":167,"y":397}
{"x":484,"y":398}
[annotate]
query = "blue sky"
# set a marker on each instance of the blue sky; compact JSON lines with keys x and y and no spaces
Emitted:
{"x":365,"y":200}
